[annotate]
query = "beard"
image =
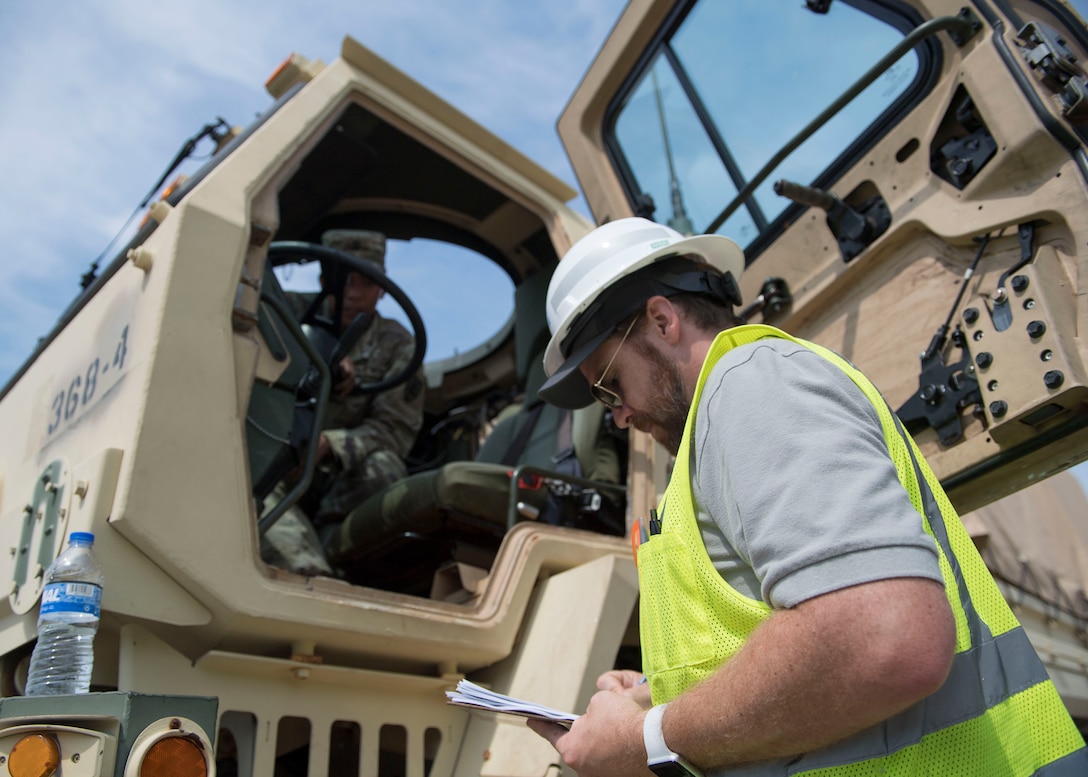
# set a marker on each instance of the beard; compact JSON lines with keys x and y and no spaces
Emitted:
{"x":669,"y":402}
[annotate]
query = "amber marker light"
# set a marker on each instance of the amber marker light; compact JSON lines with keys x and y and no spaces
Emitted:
{"x":35,"y":755}
{"x":171,"y":747}
{"x":170,"y":189}
{"x":282,"y":66}
{"x":174,"y":757}
{"x":173,"y":186}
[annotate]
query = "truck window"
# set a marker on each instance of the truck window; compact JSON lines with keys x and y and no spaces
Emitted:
{"x":695,"y":123}
{"x":447,"y":282}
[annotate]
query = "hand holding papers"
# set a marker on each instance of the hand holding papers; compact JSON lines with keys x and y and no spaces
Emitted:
{"x":473,"y":696}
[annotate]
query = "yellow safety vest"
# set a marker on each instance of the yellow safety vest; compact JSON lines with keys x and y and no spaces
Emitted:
{"x":997,"y":713}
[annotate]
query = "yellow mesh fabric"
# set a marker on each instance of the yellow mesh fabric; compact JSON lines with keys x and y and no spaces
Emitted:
{"x":1029,"y":738}
{"x":692,"y":621}
{"x":684,"y":641}
{"x":702,"y":621}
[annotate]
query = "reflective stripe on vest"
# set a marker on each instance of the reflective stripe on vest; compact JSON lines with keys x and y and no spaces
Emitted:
{"x":997,"y":712}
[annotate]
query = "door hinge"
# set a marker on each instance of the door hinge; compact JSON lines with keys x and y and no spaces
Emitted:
{"x":1049,"y":56}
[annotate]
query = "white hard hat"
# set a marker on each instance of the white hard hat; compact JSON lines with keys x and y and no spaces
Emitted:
{"x":593,"y":265}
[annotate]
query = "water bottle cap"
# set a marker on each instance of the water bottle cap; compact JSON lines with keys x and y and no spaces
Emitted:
{"x":81,"y":536}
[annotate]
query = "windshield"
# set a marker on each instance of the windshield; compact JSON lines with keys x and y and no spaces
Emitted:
{"x":695,"y":124}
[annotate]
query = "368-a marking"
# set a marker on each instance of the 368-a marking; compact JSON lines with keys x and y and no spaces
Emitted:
{"x":82,"y":390}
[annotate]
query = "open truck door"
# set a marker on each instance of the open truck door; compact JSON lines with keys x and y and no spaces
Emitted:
{"x":906,"y":178}
{"x":910,"y":186}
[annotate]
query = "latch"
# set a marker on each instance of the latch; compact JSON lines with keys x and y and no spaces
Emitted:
{"x":1056,"y":65}
{"x":964,"y":144}
{"x":1002,"y":310}
{"x":854,"y":228}
{"x":774,"y":297}
{"x":945,"y":389}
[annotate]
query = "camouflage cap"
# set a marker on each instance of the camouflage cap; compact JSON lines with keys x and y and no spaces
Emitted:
{"x":362,"y":243}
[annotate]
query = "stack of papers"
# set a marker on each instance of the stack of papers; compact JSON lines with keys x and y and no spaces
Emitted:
{"x":469,"y":694}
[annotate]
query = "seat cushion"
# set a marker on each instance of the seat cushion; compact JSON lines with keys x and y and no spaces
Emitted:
{"x":426,"y":502}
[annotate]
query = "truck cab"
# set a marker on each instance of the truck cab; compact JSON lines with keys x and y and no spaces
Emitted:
{"x":908,"y":181}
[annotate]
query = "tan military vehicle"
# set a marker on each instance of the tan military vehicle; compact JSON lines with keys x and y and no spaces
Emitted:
{"x":909,"y":180}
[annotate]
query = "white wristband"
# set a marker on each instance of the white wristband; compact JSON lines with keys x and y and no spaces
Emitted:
{"x":659,"y":758}
{"x":652,"y":736}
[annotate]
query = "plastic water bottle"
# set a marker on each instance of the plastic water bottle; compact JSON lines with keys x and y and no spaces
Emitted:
{"x":71,"y":603}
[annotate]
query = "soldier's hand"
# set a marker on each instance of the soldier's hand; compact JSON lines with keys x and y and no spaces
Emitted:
{"x":346,"y":382}
{"x":324,"y":450}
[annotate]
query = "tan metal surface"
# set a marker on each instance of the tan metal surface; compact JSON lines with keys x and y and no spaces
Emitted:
{"x":143,"y":401}
{"x":882,"y":309}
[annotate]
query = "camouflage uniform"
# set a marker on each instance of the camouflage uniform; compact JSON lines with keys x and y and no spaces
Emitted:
{"x":369,"y":434}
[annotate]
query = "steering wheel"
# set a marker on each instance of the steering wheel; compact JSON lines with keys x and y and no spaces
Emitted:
{"x":297,"y":252}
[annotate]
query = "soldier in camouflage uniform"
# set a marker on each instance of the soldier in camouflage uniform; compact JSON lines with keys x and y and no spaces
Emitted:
{"x":366,"y":436}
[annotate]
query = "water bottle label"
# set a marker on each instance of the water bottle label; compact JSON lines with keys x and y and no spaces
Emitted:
{"x":72,"y":597}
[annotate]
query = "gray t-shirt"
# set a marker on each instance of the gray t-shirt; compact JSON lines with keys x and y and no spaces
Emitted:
{"x":796,"y":494}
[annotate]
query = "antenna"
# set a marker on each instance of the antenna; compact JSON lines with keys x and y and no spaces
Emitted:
{"x":679,"y":221}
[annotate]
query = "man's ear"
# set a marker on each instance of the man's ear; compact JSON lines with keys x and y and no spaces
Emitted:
{"x":664,"y":319}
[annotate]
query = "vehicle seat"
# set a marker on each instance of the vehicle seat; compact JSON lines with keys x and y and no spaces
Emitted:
{"x":461,"y":510}
{"x":539,"y":463}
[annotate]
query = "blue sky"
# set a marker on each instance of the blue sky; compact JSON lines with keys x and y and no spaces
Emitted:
{"x":98,"y":97}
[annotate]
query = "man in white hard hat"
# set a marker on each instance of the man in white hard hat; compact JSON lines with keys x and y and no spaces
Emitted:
{"x":809,"y":599}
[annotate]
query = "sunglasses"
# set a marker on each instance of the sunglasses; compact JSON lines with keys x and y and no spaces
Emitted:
{"x":608,"y":397}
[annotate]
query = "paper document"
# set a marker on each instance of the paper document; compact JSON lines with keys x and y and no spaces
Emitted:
{"x":469,"y":694}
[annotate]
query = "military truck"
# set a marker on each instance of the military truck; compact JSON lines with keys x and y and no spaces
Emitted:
{"x":909,"y":181}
